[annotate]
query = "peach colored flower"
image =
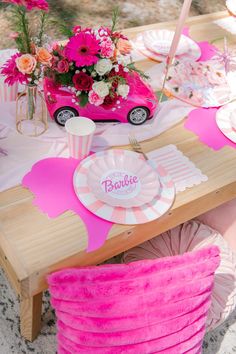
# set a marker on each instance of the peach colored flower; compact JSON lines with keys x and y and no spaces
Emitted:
{"x":43,"y":56}
{"x":26,"y":63}
{"x":124,"y":46}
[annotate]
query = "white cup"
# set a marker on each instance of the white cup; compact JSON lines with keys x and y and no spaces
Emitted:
{"x":80,"y":131}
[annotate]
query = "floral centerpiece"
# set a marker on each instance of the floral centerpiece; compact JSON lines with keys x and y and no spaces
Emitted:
{"x":26,"y":66}
{"x":94,"y":64}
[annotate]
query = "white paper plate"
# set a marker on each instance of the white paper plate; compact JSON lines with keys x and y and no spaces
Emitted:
{"x":226,"y":120}
{"x":159,"y":42}
{"x":193,"y":53}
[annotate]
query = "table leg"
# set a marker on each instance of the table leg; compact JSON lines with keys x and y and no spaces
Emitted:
{"x":30,"y":316}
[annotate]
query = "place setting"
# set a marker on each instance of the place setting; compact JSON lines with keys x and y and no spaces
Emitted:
{"x":119,"y":186}
{"x":155,"y":44}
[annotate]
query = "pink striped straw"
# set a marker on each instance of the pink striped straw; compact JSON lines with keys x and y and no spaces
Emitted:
{"x":178,"y":31}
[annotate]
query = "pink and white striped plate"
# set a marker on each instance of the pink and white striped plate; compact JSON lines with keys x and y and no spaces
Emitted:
{"x":148,"y":211}
{"x":226,"y":120}
{"x":193,"y":53}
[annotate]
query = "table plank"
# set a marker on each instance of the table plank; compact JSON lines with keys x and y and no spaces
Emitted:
{"x":36,"y":245}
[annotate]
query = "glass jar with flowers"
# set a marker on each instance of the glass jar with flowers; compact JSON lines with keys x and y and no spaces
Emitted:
{"x":26,"y":66}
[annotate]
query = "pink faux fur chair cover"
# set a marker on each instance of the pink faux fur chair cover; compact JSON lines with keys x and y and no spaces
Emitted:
{"x":154,"y":306}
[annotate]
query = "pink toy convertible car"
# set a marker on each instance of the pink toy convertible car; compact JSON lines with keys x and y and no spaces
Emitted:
{"x":139,"y":106}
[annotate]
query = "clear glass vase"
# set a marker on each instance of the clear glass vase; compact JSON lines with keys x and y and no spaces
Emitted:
{"x":31,"y":112}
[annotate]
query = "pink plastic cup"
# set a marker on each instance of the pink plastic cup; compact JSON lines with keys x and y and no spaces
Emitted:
{"x":7,"y":93}
{"x":80,"y":131}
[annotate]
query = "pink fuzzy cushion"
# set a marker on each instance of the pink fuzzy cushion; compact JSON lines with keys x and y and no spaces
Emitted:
{"x":154,"y":306}
{"x":223,"y":219}
{"x":192,"y":236}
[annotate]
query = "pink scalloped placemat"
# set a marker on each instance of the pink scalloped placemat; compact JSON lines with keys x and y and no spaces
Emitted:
{"x":202,"y":122}
{"x":51,"y":182}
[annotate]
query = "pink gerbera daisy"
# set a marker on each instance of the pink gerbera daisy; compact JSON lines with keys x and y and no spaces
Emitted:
{"x":83,"y":49}
{"x":13,"y":75}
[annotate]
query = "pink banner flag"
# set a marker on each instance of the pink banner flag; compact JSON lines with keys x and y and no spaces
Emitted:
{"x":178,"y":31}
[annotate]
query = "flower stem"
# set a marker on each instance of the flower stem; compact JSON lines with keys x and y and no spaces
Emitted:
{"x":25,"y":29}
{"x":42,"y":27}
{"x":31,"y":100}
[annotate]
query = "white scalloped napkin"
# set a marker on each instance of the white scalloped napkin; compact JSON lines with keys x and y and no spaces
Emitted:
{"x":184,"y":173}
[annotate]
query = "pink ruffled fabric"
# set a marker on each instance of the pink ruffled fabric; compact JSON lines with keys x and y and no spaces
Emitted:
{"x":154,"y":306}
{"x":223,"y":219}
{"x":192,"y":236}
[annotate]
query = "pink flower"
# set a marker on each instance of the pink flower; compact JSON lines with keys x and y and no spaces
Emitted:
{"x":30,"y":4}
{"x":119,"y":35}
{"x":76,"y":29}
{"x":14,"y":35}
{"x":104,"y":31}
{"x":10,"y":70}
{"x":35,"y":4}
{"x":83,"y":49}
{"x":95,"y":99}
{"x":62,"y":66}
{"x":107,"y":48}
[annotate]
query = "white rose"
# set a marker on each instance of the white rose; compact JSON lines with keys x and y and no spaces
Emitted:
{"x":123,"y":90}
{"x":103,"y":66}
{"x":101,"y":88}
{"x":124,"y":60}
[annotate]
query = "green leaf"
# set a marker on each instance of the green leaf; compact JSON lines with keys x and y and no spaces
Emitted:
{"x":43,"y":20}
{"x":63,"y":28}
{"x":83,"y":99}
{"x":133,"y":68}
{"x":64,"y":79}
{"x":90,"y":68}
{"x":115,"y":18}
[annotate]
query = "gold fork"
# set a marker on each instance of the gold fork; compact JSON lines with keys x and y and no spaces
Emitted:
{"x":137,"y":147}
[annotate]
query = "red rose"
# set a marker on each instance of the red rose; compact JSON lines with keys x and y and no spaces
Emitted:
{"x":82,"y":81}
{"x":62,"y":66}
{"x":109,"y":101}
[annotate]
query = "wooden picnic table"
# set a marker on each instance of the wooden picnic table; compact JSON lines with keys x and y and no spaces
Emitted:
{"x":32,"y":245}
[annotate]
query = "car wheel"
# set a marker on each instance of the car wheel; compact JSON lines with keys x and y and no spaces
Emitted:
{"x":63,"y":114}
{"x":138,"y":115}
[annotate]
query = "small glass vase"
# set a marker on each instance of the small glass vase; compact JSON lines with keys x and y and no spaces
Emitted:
{"x":31,"y":112}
